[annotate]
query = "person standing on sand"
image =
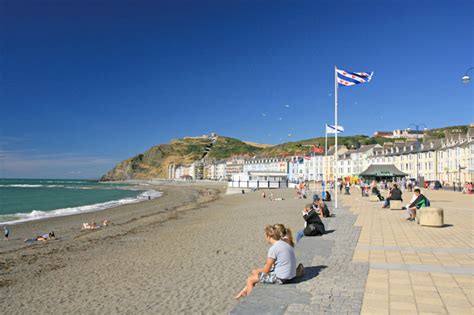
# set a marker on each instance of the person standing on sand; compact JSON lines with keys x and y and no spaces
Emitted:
{"x":6,"y":233}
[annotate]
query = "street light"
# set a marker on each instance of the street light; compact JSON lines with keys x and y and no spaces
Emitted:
{"x":417,"y":128}
{"x":466,"y":78}
{"x":459,"y":174}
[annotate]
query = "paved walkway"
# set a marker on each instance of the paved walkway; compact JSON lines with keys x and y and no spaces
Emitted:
{"x":333,"y":283}
{"x":375,"y":262}
{"x":416,"y":269}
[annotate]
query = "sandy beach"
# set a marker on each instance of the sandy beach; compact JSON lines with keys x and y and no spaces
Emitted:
{"x":188,"y":251}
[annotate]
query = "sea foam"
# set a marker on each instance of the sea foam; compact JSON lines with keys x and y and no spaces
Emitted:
{"x":38,"y":214}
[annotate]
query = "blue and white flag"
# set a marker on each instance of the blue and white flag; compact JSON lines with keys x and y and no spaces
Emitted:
{"x":346,"y":78}
{"x":334,"y":129}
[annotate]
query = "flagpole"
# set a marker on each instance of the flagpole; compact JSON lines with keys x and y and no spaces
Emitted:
{"x":326,"y":155}
{"x":336,"y":130}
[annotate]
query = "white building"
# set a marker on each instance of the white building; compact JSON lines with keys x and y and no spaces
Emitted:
{"x":266,"y":165}
{"x":221,"y":170}
{"x":313,"y":167}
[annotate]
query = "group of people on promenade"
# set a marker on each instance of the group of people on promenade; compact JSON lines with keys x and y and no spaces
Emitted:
{"x":280,"y":265}
{"x":417,"y":201}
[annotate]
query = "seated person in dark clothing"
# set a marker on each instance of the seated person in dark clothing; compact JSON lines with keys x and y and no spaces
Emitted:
{"x":327,"y":196}
{"x":376,"y":191}
{"x":395,"y":194}
{"x":420,"y":202}
{"x":313,"y":225}
{"x":322,"y":209}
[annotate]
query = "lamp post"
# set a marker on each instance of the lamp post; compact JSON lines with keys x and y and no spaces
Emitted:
{"x":459,"y":175}
{"x":466,"y":78}
{"x":417,"y":128}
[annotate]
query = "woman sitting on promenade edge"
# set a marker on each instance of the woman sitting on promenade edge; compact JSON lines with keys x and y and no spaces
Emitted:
{"x":280,"y":266}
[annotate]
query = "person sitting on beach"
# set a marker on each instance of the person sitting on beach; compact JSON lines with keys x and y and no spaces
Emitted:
{"x":106,"y":222}
{"x":395,"y":194}
{"x":280,"y":266}
{"x":43,"y":237}
{"x":313,"y":224}
{"x":89,"y":226}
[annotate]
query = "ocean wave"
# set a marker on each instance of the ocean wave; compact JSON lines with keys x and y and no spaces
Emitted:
{"x":38,"y":214}
{"x":22,"y":185}
{"x":52,"y":186}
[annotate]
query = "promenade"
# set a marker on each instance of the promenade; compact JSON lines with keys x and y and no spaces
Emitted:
{"x":375,"y":262}
{"x":415,"y":269}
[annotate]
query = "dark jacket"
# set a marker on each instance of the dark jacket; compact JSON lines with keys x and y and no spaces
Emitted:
{"x":314,"y":225}
{"x":395,"y":194}
{"x":327,"y":196}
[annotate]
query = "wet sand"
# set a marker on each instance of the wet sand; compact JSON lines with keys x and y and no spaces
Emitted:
{"x":188,"y":251}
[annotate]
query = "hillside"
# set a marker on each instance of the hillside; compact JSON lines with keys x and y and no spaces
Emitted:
{"x":154,"y":162}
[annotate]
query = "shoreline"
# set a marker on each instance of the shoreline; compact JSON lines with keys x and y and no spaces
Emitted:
{"x":67,"y":226}
{"x":152,"y":259}
{"x":36,"y":215}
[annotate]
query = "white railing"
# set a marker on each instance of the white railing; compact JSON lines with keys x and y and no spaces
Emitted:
{"x":259,"y":184}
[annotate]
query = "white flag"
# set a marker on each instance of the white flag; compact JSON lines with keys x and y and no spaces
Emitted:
{"x":334,"y":129}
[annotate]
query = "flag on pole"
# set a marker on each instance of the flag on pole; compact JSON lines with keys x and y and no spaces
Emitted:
{"x":346,"y":78}
{"x":316,"y":149}
{"x":334,"y":129}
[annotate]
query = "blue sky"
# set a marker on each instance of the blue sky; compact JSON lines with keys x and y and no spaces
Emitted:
{"x":85,"y":84}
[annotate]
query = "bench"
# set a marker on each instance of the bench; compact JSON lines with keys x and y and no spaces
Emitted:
{"x":430,"y":216}
{"x":396,"y":205}
{"x":373,"y":198}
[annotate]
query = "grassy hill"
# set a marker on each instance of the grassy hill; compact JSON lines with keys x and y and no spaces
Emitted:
{"x":154,"y":162}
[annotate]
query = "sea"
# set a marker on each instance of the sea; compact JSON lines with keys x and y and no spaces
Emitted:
{"x":32,"y":199}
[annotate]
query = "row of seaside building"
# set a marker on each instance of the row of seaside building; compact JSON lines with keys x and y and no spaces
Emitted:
{"x":448,"y":160}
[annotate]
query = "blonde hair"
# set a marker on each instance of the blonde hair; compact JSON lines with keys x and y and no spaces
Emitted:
{"x":321,"y":203}
{"x":280,"y":232}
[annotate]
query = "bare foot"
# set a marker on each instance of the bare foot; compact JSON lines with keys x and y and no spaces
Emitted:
{"x":242,"y":293}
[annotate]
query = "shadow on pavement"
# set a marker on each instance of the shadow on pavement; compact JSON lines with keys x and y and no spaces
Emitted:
{"x":310,"y":273}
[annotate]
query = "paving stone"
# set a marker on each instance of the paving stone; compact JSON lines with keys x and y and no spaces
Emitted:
{"x":333,"y":283}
